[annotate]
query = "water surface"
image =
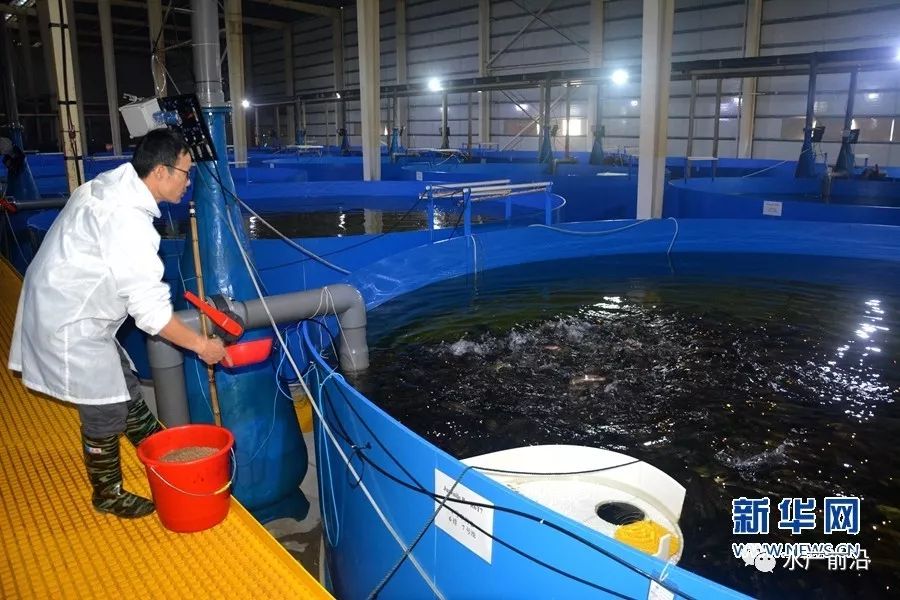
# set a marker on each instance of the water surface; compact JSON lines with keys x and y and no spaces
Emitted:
{"x":737,"y":375}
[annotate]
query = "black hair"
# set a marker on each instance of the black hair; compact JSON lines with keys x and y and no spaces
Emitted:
{"x":158,"y":147}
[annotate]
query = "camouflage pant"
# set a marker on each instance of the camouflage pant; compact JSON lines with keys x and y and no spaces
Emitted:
{"x":102,"y":420}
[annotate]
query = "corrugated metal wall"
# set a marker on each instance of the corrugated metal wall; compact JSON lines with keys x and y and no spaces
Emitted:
{"x":442,"y":41}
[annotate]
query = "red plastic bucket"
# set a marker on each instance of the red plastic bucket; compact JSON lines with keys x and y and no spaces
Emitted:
{"x":193,"y":495}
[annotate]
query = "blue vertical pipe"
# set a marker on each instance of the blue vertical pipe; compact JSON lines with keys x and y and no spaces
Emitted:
{"x":846,"y":159}
{"x":467,"y":211}
{"x":597,"y":155}
{"x":806,"y":164}
{"x":271,"y":458}
{"x":548,"y":209}
{"x":430,"y":213}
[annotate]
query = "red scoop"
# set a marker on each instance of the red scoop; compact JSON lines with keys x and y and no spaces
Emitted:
{"x":248,"y":353}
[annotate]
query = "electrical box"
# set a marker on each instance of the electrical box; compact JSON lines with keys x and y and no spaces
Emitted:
{"x":140,"y":117}
{"x":183,"y":113}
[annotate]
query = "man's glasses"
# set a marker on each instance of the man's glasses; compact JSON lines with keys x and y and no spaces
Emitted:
{"x":187,"y":172}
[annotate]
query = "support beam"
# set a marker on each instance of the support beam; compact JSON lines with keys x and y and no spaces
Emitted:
{"x":76,"y":65}
{"x":287,"y":45}
{"x":109,"y":71}
{"x":256,"y":137}
{"x":247,"y":72}
{"x":445,"y":122}
{"x":717,"y":118}
{"x":157,"y":45}
{"x":752,"y":28}
{"x":484,"y":54}
{"x":595,"y":61}
{"x":367,"y":19}
{"x":25,"y":40}
{"x":518,"y":34}
{"x":129,"y":3}
{"x":656,"y":68}
{"x":568,"y":114}
{"x":61,"y":40}
{"x":469,"y":122}
{"x":265,"y":23}
{"x":134,"y":23}
{"x":43,"y":13}
{"x":533,"y":120}
{"x":234,"y":41}
{"x":401,"y":105}
{"x":304,"y":7}
{"x":15,"y":10}
{"x":337,"y":38}
{"x":28,"y":63}
{"x":8,"y":83}
{"x":692,"y":113}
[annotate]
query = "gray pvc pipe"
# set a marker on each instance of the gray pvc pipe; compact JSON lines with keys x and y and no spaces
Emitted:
{"x":205,"y":34}
{"x":345,"y":301}
{"x":41,"y":204}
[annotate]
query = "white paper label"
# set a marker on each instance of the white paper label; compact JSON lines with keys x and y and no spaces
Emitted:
{"x":418,"y":175}
{"x":772,"y":209}
{"x":658,"y":592}
{"x":456,"y":527}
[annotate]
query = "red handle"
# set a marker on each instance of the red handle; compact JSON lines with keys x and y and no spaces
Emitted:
{"x":219,"y":318}
{"x":8,"y":206}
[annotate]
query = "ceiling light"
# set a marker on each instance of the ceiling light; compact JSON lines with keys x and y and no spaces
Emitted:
{"x":619,"y":77}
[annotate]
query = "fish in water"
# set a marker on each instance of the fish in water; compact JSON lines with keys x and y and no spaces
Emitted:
{"x":586,"y":379}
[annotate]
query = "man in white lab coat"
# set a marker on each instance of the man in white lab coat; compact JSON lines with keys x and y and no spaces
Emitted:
{"x":97,"y":265}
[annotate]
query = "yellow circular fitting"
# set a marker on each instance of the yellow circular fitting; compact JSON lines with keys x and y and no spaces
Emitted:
{"x":645,"y":536}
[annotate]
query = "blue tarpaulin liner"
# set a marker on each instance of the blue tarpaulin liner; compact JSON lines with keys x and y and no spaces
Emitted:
{"x":849,"y":201}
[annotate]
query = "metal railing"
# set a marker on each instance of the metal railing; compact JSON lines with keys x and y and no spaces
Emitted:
{"x":481,"y":191}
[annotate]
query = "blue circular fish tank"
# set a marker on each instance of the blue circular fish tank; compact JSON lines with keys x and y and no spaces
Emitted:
{"x":746,"y":359}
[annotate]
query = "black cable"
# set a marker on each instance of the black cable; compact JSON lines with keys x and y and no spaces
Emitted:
{"x":418,"y":488}
{"x":597,"y":470}
{"x":393,"y":570}
{"x":320,"y":324}
{"x":325,"y":327}
{"x":446,"y":499}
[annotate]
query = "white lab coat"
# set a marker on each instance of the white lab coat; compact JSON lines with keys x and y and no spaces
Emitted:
{"x":97,"y":264}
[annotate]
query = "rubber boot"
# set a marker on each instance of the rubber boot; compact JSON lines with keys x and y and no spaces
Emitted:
{"x":140,"y":423}
{"x":101,"y":457}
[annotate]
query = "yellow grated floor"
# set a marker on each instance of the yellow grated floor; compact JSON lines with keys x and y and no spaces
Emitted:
{"x":55,"y":546}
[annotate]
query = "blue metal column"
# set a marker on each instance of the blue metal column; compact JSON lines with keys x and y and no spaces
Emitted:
{"x":430,"y":213}
{"x":545,"y":155}
{"x":467,"y":211}
{"x":271,"y":458}
{"x":806,"y":164}
{"x":846,"y":159}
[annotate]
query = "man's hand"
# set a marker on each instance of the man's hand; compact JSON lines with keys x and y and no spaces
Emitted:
{"x":213,"y":351}
{"x":210,"y":350}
